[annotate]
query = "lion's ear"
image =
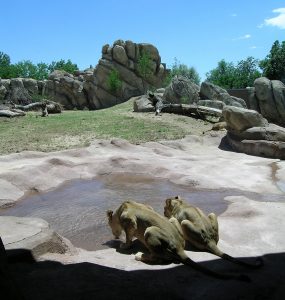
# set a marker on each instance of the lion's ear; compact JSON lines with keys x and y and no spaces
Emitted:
{"x":109,"y":214}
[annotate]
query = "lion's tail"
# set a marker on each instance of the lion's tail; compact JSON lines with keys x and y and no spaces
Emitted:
{"x":215,"y":250}
{"x":183,"y":258}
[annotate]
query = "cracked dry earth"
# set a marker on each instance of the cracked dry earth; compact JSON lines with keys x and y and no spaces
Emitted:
{"x":252,"y":223}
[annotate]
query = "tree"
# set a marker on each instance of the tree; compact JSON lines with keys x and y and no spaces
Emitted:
{"x":229,"y":76}
{"x":145,"y":66}
{"x":246,"y":72}
{"x":222,"y":75}
{"x":273,"y":65}
{"x":114,"y":82}
{"x":4,"y":65}
{"x":26,"y":69}
{"x":181,"y":69}
{"x":67,"y":66}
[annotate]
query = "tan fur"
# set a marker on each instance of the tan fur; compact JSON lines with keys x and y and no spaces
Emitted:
{"x":162,"y":237}
{"x":217,"y":126}
{"x":199,"y":230}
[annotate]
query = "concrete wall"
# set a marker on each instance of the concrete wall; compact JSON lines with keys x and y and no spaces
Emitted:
{"x":240,"y":93}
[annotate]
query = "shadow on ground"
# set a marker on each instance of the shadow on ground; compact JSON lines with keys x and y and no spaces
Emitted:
{"x":24,"y":278}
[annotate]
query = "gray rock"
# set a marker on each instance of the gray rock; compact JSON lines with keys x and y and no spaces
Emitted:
{"x":264,"y":94}
{"x":262,"y":148}
{"x":151,"y":51}
{"x":31,"y":85}
{"x":239,"y":119}
{"x":253,"y":101}
{"x":213,"y":92}
{"x":278,"y":88}
{"x":105,"y":49}
{"x":120,"y":55}
{"x":3,"y":92}
{"x":212,"y":103}
{"x":181,"y":89}
{"x":131,"y":50}
{"x":142,"y":104}
{"x":32,"y":234}
{"x":271,"y":132}
{"x":90,"y":88}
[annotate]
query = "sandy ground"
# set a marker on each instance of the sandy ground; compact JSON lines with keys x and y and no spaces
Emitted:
{"x":247,"y":229}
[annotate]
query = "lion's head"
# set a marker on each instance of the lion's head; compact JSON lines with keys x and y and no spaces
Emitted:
{"x":114,"y":223}
{"x":170,"y":204}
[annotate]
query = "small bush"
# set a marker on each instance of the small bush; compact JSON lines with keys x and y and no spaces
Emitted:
{"x":114,"y":82}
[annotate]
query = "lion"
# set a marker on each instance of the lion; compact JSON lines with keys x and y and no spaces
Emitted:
{"x":199,"y":230}
{"x":162,"y":237}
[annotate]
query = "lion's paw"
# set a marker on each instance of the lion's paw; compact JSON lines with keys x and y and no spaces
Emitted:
{"x":138,"y":256}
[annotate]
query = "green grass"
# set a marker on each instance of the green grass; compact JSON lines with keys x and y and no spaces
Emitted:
{"x":73,"y":129}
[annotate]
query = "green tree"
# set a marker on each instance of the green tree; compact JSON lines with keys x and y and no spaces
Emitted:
{"x":223,"y":75}
{"x":246,"y":72}
{"x":4,"y":65}
{"x":273,"y":66}
{"x":63,"y":65}
{"x":228,"y":75}
{"x":145,"y":66}
{"x":42,"y":71}
{"x":26,"y":69}
{"x":181,"y":69}
{"x":114,"y":82}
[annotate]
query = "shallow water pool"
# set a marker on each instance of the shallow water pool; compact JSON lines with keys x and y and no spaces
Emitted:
{"x":77,"y":209}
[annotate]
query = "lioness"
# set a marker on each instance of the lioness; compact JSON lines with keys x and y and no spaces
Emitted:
{"x":199,"y":230}
{"x":162,"y":237}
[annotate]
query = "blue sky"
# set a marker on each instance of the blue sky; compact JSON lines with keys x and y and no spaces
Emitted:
{"x":197,"y":33}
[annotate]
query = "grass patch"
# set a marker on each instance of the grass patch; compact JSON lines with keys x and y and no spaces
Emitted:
{"x":73,"y":129}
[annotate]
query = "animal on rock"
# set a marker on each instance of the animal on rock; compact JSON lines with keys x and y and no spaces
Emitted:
{"x":162,"y":237}
{"x":199,"y":230}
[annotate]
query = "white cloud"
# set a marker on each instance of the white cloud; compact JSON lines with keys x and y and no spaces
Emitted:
{"x":252,"y":47}
{"x":233,"y":15}
{"x":243,"y":37}
{"x":278,"y":21}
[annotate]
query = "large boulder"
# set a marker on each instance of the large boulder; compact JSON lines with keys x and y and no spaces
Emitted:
{"x":278,"y":89}
{"x":249,"y":132}
{"x":239,"y":119}
{"x":212,"y":103}
{"x":66,"y":89}
{"x":213,"y":92}
{"x":264,"y":148}
{"x":32,"y":234}
{"x":124,"y":58}
{"x":181,"y":90}
{"x":265,"y":96}
{"x":142,"y":104}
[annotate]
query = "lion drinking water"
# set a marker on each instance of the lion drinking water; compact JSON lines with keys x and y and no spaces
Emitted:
{"x":162,"y":237}
{"x":199,"y":230}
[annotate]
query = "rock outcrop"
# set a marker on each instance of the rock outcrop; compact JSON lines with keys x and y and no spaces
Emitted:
{"x":181,"y":90}
{"x":268,"y":98}
{"x":32,"y":234}
{"x":91,"y":88}
{"x":215,"y":93}
{"x":249,"y":132}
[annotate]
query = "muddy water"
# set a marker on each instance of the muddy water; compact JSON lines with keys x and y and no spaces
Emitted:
{"x":76,"y":210}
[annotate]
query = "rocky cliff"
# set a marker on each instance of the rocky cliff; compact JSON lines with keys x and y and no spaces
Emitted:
{"x":91,"y":88}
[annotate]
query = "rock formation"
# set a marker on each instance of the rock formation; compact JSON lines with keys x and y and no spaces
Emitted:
{"x":181,"y":89}
{"x":249,"y":132}
{"x":268,"y":98}
{"x":91,"y":88}
{"x":210,"y":91}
